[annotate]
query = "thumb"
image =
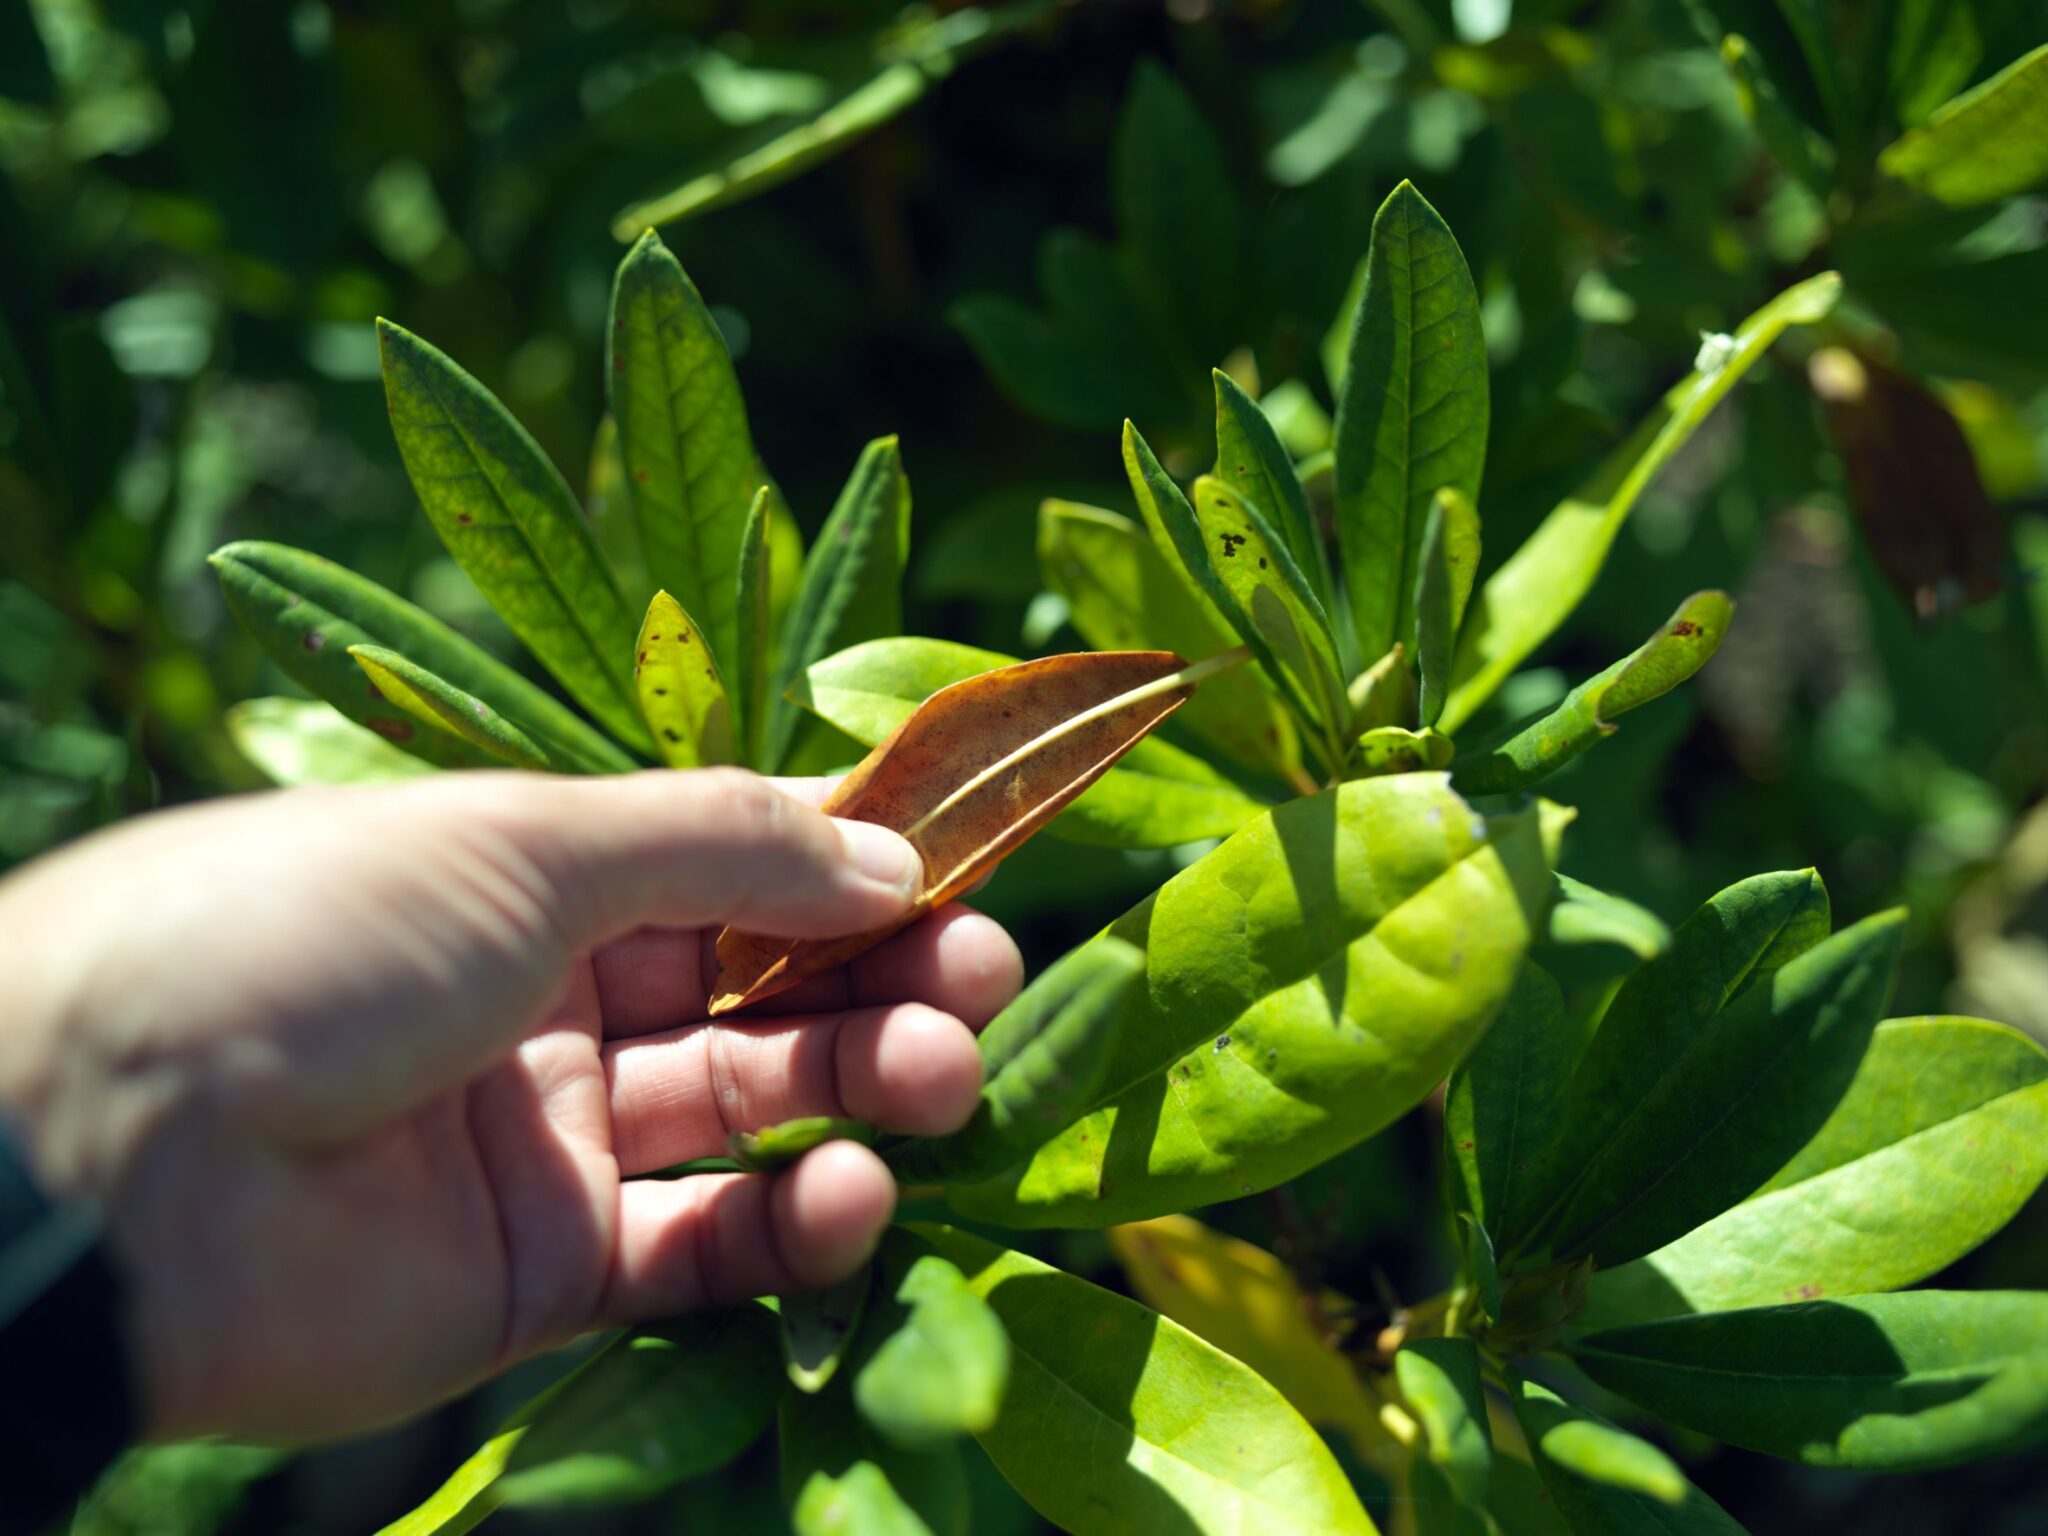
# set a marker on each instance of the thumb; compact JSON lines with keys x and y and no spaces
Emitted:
{"x":701,"y":847}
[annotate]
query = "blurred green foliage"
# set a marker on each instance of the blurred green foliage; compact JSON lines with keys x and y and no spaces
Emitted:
{"x":1039,"y":219}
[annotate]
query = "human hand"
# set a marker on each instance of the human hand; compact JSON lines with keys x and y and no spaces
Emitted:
{"x":362,"y":1077}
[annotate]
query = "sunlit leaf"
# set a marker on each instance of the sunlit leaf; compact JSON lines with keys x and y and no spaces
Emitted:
{"x":851,"y":586}
{"x":1250,"y":460}
{"x":1249,"y":1305}
{"x":1117,"y":1419}
{"x":1439,"y":1380}
{"x":307,"y":613}
{"x":1605,"y":1481}
{"x":689,"y":460}
{"x":1307,"y":982}
{"x":1681,"y":646}
{"x":1412,"y":417}
{"x":1267,"y":600}
{"x":509,"y":519}
{"x":1990,"y":142}
{"x":682,"y":697}
{"x":438,"y":705}
{"x":1941,"y":1138}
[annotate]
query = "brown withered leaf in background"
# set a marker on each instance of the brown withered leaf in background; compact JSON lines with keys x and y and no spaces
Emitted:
{"x":981,"y":766}
{"x":1936,"y":535}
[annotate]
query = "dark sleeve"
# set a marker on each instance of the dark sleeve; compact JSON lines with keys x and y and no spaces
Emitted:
{"x":66,"y":1406}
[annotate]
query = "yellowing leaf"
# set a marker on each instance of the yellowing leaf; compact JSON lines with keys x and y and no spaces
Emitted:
{"x":1248,"y":1304}
{"x":682,"y":697}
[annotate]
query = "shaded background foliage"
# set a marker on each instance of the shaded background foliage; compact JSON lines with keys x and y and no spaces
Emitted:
{"x":202,"y":207}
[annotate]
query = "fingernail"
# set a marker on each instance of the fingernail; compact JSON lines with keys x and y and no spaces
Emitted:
{"x":882,"y":856}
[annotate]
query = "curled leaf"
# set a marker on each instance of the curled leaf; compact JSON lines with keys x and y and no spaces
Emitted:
{"x":966,"y":779}
{"x":775,"y":1147}
{"x":1686,"y":642}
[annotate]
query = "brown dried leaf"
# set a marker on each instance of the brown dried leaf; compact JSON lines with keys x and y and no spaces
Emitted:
{"x":981,"y":766}
{"x":1935,"y":533}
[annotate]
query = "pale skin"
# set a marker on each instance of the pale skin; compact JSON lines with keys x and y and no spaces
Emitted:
{"x":364,"y":1079}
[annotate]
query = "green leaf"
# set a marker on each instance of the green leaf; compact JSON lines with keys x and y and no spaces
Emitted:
{"x":942,"y":1362}
{"x":1156,"y":796}
{"x":509,"y":519}
{"x":860,"y":1501}
{"x":439,"y":705}
{"x":1267,"y":600}
{"x":1250,"y":460}
{"x":689,"y":459}
{"x":1582,"y":914}
{"x":1449,"y":563}
{"x":1041,"y":1060}
{"x":1170,"y":522}
{"x":1921,"y":1379}
{"x":775,"y":1147}
{"x":1177,"y":212}
{"x":1737,"y":939}
{"x":852,"y":582}
{"x":1990,"y":142}
{"x":1744,"y":1094}
{"x":659,"y":1404}
{"x":1536,"y":588}
{"x":307,"y":613}
{"x":1439,"y":1379}
{"x":755,"y":610}
{"x":682,"y":697}
{"x":1501,"y":1111}
{"x":1307,"y":982}
{"x":1686,"y":642}
{"x":1604,"y":1481}
{"x":837,"y":1467}
{"x":1941,"y":1138}
{"x":818,"y":1326}
{"x":297,"y":741}
{"x":1117,"y":1419}
{"x":1412,"y":416}
{"x":1123,"y":594}
{"x":1392,"y":749}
